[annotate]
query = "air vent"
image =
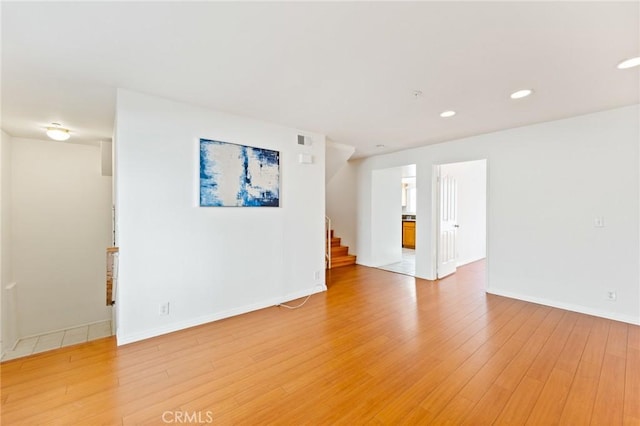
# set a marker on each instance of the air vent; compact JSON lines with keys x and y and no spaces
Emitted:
{"x":304,"y":140}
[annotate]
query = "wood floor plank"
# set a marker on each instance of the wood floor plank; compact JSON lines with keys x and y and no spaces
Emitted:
{"x":454,"y":354}
{"x":520,"y":363}
{"x":579,"y":403}
{"x":476,"y":388}
{"x":610,"y":394}
{"x":521,"y":402}
{"x":494,"y":349}
{"x":631,"y":411}
{"x":550,"y":403}
{"x":378,"y":348}
{"x":524,"y":397}
{"x":364,"y":408}
{"x":487,"y":409}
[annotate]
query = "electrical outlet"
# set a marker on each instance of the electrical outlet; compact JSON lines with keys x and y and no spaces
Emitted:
{"x":317,"y":275}
{"x":612,"y":295}
{"x":163,"y":309}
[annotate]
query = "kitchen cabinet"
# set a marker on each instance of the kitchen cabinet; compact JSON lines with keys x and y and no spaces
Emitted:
{"x":409,"y":234}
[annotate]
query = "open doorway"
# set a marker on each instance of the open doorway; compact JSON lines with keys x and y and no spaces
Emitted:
{"x":460,"y":214}
{"x":406,"y":264}
{"x":56,"y":288}
{"x":386,"y":227}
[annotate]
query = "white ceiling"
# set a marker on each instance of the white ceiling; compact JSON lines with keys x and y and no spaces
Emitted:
{"x":347,"y":70}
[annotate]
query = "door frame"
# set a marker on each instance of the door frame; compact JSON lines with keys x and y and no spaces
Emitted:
{"x":437,"y":235}
{"x":435,"y":216}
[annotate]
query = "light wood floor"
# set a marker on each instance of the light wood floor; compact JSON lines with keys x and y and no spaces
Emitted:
{"x":377,"y":348}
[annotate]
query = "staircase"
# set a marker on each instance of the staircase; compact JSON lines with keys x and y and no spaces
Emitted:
{"x":340,"y":254}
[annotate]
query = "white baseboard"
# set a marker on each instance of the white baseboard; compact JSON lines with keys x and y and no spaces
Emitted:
{"x":467,"y":261}
{"x":12,"y":347}
{"x":567,"y":306}
{"x":123,"y":339}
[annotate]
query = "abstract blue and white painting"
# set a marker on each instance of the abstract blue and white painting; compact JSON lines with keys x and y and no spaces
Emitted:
{"x":234,"y":175}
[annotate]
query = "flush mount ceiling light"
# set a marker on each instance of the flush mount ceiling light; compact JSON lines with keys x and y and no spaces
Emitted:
{"x":447,"y":114}
{"x":521,"y":94}
{"x":629,"y":63}
{"x":57,"y":132}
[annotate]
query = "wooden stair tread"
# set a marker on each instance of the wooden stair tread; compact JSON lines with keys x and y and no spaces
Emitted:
{"x":339,"y":261}
{"x":340,"y":254}
{"x":339,"y":251}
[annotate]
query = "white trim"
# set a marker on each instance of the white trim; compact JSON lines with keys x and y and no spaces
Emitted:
{"x":12,"y":321}
{"x":123,"y":339}
{"x":468,"y":261}
{"x":567,"y":306}
{"x":435,"y":218}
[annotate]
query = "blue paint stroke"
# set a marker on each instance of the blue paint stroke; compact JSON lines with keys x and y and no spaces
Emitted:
{"x":258,"y":183}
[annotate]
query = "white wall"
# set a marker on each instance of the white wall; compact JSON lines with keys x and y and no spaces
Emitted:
{"x":8,"y":329}
{"x":386,"y":216}
{"x":61,"y":228}
{"x":208,"y":263}
{"x":471,"y":239}
{"x":336,"y":157}
{"x":341,"y":203}
{"x":546,"y":183}
{"x":106,"y":158}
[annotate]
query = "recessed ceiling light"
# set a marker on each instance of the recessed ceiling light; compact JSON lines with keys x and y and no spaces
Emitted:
{"x":447,"y":114}
{"x":57,"y":132}
{"x":629,"y":63}
{"x":521,"y":94}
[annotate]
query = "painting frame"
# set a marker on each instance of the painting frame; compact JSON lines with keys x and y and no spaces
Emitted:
{"x":236,"y":175}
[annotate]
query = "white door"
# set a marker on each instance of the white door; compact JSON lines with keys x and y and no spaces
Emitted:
{"x":448,"y":226}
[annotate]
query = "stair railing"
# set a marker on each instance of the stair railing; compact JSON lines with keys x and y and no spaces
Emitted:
{"x":327,"y":228}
